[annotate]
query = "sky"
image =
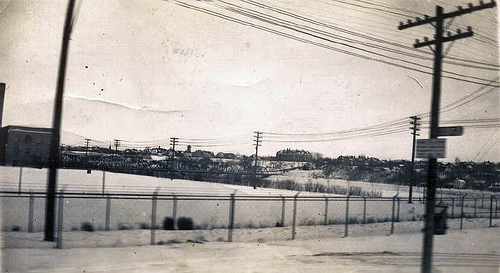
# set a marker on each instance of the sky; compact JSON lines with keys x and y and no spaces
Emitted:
{"x":144,"y":71}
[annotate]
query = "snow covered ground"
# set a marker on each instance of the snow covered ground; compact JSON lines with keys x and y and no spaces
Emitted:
{"x":317,"y":249}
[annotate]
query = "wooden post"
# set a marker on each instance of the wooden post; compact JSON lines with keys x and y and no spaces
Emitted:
{"x":60,"y":215}
{"x":108,"y":212}
{"x":346,"y":230}
{"x":294,"y":219}
{"x":326,"y":211}
{"x":30,"y":212}
{"x":231,"y":217}
{"x":364,"y":210}
{"x":153,"y":215}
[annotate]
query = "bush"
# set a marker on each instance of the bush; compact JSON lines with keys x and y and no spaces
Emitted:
{"x":15,"y":228}
{"x":168,"y":223}
{"x":185,"y":223}
{"x":122,"y":226}
{"x":87,"y":226}
{"x":144,"y":226}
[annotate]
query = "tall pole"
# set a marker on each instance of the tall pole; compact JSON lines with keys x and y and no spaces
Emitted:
{"x":56,"y":127}
{"x":438,"y":20}
{"x":257,"y":144}
{"x":414,"y":122}
{"x":173,"y":141}
{"x":87,"y":141}
{"x":117,"y":143}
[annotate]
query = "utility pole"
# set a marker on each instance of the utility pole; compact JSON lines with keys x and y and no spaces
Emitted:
{"x":87,"y":141}
{"x":414,"y":122}
{"x":257,"y":141}
{"x":173,"y":141}
{"x":117,"y":143}
{"x":49,"y":227}
{"x":438,"y":22}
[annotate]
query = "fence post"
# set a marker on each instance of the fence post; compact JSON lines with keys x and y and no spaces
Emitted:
{"x":364,"y":210}
{"x":103,"y":182}
{"x":294,"y":219}
{"x":282,"y":211}
{"x":346,"y":231}
{"x":482,"y":200}
{"x":397,"y":211}
{"x":174,"y":211}
{"x":475,"y":206}
{"x":462,"y":212}
{"x":108,"y":212}
{"x":60,"y":215}
{"x":231,"y":217}
{"x":20,"y":180}
{"x":326,"y":211}
{"x":153,"y":215}
{"x":30,"y":212}
{"x":491,"y":210}
{"x":496,"y":206}
{"x":393,"y":212}
{"x":452,"y":208}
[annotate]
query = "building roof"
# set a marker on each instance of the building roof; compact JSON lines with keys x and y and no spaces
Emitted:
{"x":27,"y":129}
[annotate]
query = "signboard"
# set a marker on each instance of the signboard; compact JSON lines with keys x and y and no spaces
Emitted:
{"x":431,"y":148}
{"x":451,"y":131}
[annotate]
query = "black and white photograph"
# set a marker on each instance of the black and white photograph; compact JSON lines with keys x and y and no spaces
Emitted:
{"x":249,"y":136}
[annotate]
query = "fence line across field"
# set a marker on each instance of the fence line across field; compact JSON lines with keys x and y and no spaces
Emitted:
{"x":234,"y":198}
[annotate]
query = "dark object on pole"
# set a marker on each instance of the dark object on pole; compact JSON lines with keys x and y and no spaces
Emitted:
{"x":56,"y":127}
{"x":440,"y":220}
{"x":415,"y":128}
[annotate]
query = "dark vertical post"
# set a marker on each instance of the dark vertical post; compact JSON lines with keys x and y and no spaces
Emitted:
{"x":20,"y":180}
{"x":432,"y":171}
{"x":108,"y":212}
{"x":393,"y":212}
{"x":174,"y":211}
{"x":452,"y":208}
{"x":482,"y":201}
{"x":231,"y":218}
{"x":364,"y":210}
{"x":475,"y":206}
{"x":294,"y":219}
{"x":462,"y":213}
{"x":60,"y":215}
{"x":326,"y":211}
{"x":2,"y":97}
{"x":346,"y":229}
{"x":397,"y":211}
{"x":491,"y":211}
{"x":30,"y":212}
{"x":415,"y":123}
{"x":56,"y":128}
{"x":153,"y":215}
{"x":103,"y":182}
{"x":283,"y":211}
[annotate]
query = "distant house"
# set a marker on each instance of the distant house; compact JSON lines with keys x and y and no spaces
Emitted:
{"x":293,"y":155}
{"x":25,"y":146}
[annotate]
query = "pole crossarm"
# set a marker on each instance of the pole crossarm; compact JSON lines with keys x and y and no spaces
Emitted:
{"x":469,"y":33}
{"x":461,"y":11}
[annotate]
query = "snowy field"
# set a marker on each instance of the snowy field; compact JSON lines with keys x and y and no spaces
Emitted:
{"x":317,"y":249}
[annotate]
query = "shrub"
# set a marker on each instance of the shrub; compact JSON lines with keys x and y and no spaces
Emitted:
{"x":15,"y":228}
{"x":87,"y":226}
{"x":144,"y":226}
{"x":122,"y":226}
{"x":168,"y":223}
{"x":370,"y":220}
{"x":185,"y":223}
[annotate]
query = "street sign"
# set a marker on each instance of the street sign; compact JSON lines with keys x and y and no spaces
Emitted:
{"x":431,"y":148}
{"x":451,"y":131}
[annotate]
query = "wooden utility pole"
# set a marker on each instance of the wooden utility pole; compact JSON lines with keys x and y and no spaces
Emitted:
{"x":56,"y":127}
{"x":257,"y":141}
{"x":414,"y":122}
{"x":438,"y":23}
{"x":87,"y":141}
{"x":173,"y":141}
